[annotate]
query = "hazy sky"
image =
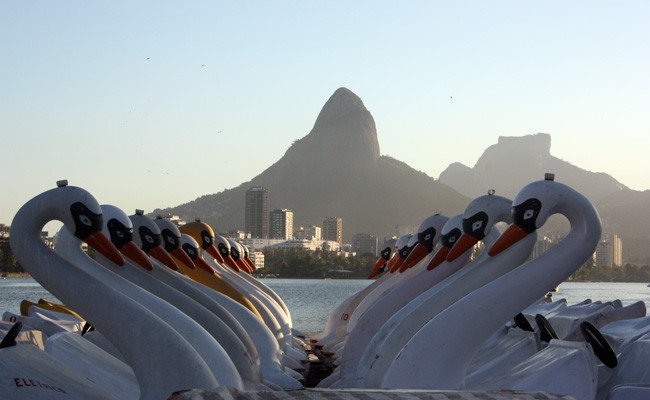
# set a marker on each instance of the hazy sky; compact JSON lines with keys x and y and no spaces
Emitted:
{"x":152,"y":104}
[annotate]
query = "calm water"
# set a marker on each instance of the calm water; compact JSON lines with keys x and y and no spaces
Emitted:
{"x":312,"y":300}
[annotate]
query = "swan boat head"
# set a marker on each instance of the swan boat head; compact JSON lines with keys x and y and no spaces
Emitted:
{"x":403,"y":249}
{"x":479,"y":217}
{"x":223,"y":245}
{"x":147,"y":236}
{"x":385,"y":254}
{"x":246,"y":257}
{"x":537,"y":201}
{"x":451,"y":232}
{"x":204,"y":236}
{"x":191,"y":248}
{"x":427,"y":238}
{"x":77,"y":209}
{"x":236,"y":251}
{"x":118,"y":227}
{"x":171,"y":239}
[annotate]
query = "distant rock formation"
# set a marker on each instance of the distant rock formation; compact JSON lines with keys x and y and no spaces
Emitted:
{"x":336,"y":170}
{"x":516,"y":161}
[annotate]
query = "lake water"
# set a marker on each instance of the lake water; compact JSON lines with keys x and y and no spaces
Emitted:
{"x":312,"y":300}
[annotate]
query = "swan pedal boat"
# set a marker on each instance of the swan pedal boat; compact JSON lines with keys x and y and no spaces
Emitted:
{"x":626,"y":326}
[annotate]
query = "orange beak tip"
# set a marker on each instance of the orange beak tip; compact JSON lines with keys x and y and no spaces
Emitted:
{"x":416,"y":255}
{"x":231,"y":263}
{"x":511,"y":236}
{"x":183,"y":258}
{"x":438,"y":258}
{"x":215,"y":254}
{"x":103,"y":245}
{"x":132,"y":251}
{"x":464,"y":243}
{"x":199,"y":262}
{"x":161,"y":255}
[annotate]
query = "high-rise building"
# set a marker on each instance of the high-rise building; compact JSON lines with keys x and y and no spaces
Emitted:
{"x":364,"y":243}
{"x":333,"y":229}
{"x":256,"y":212}
{"x":609,"y":252}
{"x":281,"y":224}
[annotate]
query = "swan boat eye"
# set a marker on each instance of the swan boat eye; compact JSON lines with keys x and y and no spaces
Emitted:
{"x":120,"y":234}
{"x":86,"y":222}
{"x":450,"y":238}
{"x":426,"y":237}
{"x":525,"y":214}
{"x":170,"y":240}
{"x":149,"y":239}
{"x":207,"y":240}
{"x":476,"y":224}
{"x":385,"y":254}
{"x":222,"y":249}
{"x":190,"y":251}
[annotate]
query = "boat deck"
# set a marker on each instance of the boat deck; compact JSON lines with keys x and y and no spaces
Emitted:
{"x":364,"y":394}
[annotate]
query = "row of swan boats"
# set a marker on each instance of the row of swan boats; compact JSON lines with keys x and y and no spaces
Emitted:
{"x":440,"y":318}
{"x":157,"y":310}
{"x":164,"y":311}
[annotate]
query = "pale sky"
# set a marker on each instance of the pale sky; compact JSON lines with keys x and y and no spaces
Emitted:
{"x":153,"y":104}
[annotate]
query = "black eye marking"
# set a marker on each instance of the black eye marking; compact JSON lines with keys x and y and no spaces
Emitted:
{"x":476,"y":224}
{"x":223,"y":250}
{"x":235,"y":253}
{"x":206,"y":239}
{"x":404,"y":252}
{"x":426,"y":238}
{"x":190,"y":251}
{"x":385,"y":253}
{"x":149,"y":238}
{"x":86,"y":222}
{"x":170,"y":239}
{"x":525,"y":214}
{"x":120,"y":233}
{"x":449,"y":239}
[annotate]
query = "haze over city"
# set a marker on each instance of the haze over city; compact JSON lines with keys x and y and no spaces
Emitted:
{"x":151,"y":105}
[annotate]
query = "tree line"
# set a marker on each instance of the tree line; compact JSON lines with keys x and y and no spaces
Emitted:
{"x":8,"y":263}
{"x":317,"y":264}
{"x":627,"y":273}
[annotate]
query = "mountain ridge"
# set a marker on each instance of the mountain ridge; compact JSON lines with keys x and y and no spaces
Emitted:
{"x":337,"y":170}
{"x":531,"y":154}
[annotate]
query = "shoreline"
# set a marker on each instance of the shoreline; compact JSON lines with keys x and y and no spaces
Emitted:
{"x":16,"y":275}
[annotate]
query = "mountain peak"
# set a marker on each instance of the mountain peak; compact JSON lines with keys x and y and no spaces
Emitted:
{"x":539,"y":143}
{"x":341,"y":104}
{"x":336,"y":169}
{"x":344,"y":131}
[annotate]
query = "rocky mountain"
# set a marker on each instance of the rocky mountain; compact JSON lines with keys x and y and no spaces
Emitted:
{"x":524,"y":159}
{"x":336,"y":170}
